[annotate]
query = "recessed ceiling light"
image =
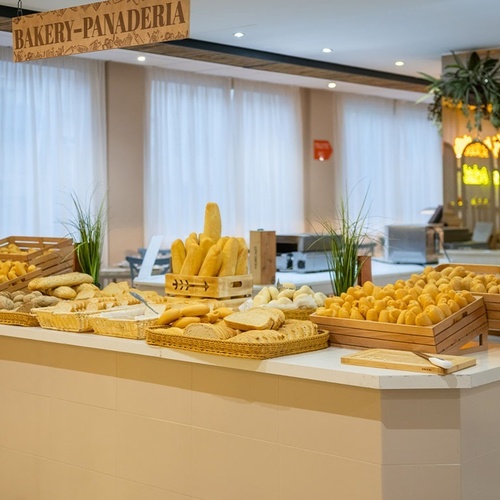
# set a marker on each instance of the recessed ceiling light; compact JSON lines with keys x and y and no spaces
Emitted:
{"x":399,"y":63}
{"x":239,"y":34}
{"x":332,"y":85}
{"x":326,"y":50}
{"x":141,"y":58}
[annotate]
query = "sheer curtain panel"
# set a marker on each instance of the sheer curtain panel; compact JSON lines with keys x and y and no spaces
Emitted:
{"x":52,"y":141}
{"x":207,"y":141}
{"x":390,"y":155}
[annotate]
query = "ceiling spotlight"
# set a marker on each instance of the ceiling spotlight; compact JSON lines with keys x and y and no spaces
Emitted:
{"x":141,"y":58}
{"x":399,"y":63}
{"x":326,"y":50}
{"x":239,"y":34}
{"x":332,"y":85}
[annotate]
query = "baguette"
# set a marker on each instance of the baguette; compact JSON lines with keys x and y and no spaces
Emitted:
{"x":212,"y":225}
{"x":242,"y":260}
{"x":229,"y":257}
{"x":212,"y":262}
{"x":194,"y":258}
{"x":178,"y":251}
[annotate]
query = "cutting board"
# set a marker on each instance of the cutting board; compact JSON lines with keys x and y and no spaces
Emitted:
{"x":405,"y":360}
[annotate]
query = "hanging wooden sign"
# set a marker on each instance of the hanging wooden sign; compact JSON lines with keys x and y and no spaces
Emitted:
{"x":98,"y":26}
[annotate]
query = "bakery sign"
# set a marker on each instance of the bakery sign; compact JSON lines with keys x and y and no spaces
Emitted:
{"x":98,"y":26}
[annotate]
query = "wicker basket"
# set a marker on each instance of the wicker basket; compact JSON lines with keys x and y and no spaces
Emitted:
{"x":18,"y":318}
{"x":157,"y":336}
{"x":300,"y":313}
{"x":76,"y":322}
{"x":124,"y":327}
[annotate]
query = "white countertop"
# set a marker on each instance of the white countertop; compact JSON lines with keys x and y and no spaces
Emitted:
{"x":323,"y":365}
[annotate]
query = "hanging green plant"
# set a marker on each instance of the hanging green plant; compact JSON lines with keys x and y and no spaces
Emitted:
{"x":87,"y":229}
{"x":472,"y":86}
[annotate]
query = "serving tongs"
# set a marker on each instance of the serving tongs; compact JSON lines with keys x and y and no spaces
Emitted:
{"x":442,"y":363}
{"x":143,"y":300}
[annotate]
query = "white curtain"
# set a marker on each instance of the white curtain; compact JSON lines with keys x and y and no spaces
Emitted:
{"x":239,"y":147}
{"x":52,"y":142}
{"x":268,"y":157}
{"x":389,"y":155}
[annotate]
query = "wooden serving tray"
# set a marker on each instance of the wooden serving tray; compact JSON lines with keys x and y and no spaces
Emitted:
{"x":465,"y":330}
{"x":491,"y":300}
{"x":404,"y":360}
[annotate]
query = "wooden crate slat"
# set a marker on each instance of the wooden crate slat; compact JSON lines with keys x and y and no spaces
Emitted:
{"x":209,"y":287}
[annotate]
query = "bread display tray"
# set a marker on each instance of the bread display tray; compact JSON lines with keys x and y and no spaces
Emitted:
{"x":18,"y":318}
{"x":491,"y":300}
{"x":76,"y":322}
{"x":50,"y":255}
{"x":207,"y":287}
{"x":463,"y":331}
{"x":157,"y":336}
{"x":21,"y":282}
{"x":125,"y":329}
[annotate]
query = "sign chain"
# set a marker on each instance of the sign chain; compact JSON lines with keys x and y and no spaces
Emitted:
{"x":19,"y":7}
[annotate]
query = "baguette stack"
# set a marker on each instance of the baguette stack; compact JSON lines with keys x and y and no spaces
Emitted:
{"x":209,"y":253}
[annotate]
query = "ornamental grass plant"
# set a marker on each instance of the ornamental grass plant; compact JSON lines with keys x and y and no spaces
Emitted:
{"x":344,"y":237}
{"x":87,"y":229}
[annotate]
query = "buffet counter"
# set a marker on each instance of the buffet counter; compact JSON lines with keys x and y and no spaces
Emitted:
{"x":131,"y":421}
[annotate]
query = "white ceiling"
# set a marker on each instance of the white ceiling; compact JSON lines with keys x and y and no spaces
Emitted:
{"x":363,"y":33}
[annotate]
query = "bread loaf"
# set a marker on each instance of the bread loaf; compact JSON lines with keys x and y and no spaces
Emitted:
{"x":258,"y":318}
{"x":67,"y":279}
{"x":229,"y":257}
{"x":178,"y":254}
{"x":217,"y":331}
{"x":258,"y":337}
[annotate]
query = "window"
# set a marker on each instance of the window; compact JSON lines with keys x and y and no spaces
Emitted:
{"x":238,"y":144}
{"x":52,"y":141}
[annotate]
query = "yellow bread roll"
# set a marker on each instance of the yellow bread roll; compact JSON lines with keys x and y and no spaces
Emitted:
{"x":178,"y":251}
{"x":195,"y":310}
{"x":212,"y":262}
{"x":212,"y":226}
{"x":229,"y":257}
{"x":168,"y":316}
{"x":242,"y":260}
{"x":185,"y":321}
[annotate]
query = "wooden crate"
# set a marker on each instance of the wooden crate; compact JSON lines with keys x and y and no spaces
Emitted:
{"x":49,"y":255}
{"x":491,"y":300}
{"x":207,"y":287}
{"x":464,"y":331}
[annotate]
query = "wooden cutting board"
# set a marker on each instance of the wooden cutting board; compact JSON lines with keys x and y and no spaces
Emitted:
{"x":405,"y":360}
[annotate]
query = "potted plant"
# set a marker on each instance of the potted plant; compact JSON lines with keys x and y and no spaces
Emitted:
{"x":344,"y":236}
{"x":87,"y":229}
{"x":473,"y":86}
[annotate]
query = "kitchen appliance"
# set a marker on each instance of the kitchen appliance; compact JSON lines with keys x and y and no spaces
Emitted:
{"x":412,"y":244}
{"x":302,"y":253}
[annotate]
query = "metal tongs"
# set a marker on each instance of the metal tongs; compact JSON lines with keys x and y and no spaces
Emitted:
{"x":143,"y":300}
{"x":442,"y":363}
